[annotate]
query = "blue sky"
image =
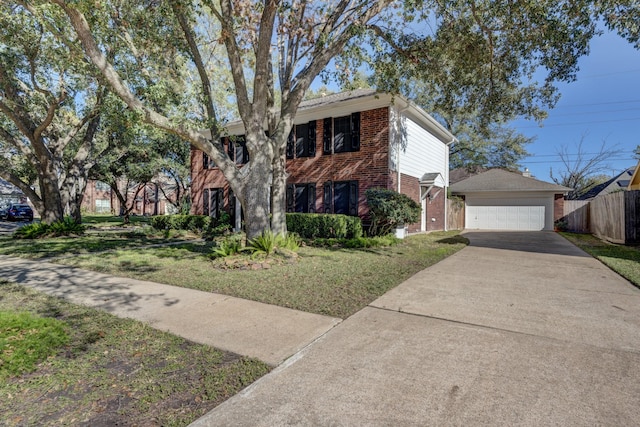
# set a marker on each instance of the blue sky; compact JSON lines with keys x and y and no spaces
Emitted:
{"x":602,"y":104}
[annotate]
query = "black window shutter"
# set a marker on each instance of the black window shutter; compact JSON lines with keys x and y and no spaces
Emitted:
{"x":355,"y":131}
{"x":327,"y":136}
{"x":312,"y":198}
{"x":220,"y":201}
{"x":205,"y":161}
{"x":328,"y":197}
{"x":290,"y":144}
{"x":353,"y":198}
{"x":232,"y":207}
{"x":291,"y":201}
{"x":245,"y":153}
{"x":312,"y":139}
{"x":205,"y":202}
{"x":214,"y":203}
{"x":231,"y":150}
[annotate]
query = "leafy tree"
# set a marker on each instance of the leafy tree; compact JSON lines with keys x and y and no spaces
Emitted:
{"x":50,"y":108}
{"x":307,"y":36}
{"x":479,"y":56}
{"x":582,"y":170}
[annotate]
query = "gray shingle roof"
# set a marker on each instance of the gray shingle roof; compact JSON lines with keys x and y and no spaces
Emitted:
{"x":616,"y":183}
{"x":336,"y":97}
{"x":502,"y":180}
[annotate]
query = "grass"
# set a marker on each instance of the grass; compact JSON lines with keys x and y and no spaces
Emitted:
{"x":26,"y":339}
{"x":101,"y":221}
{"x":90,"y":243}
{"x":624,"y":260}
{"x":330,"y":281}
{"x":108,"y":371}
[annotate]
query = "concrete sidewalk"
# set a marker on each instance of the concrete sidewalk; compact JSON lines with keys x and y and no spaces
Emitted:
{"x":516,"y":329}
{"x":267,"y":332}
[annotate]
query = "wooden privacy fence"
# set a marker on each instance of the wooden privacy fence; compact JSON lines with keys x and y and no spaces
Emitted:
{"x":455,"y":214}
{"x":576,"y":215}
{"x":614,"y":217}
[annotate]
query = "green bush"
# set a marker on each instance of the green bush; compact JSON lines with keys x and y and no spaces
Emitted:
{"x":389,"y":209}
{"x":195,"y":223}
{"x":38,"y":230}
{"x":268,"y":243}
{"x":228,"y":247}
{"x":26,"y":340}
{"x":311,"y":226}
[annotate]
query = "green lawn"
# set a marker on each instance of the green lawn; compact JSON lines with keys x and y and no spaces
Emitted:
{"x":335,"y":282}
{"x":624,"y":260}
{"x":107,"y":371}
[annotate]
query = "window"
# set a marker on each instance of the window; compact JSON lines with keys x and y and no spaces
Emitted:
{"x":237,"y":150}
{"x":341,"y":197}
{"x":301,"y":198}
{"x":102,"y":186}
{"x":103,"y":205}
{"x":302,"y":141}
{"x":341,"y":134}
{"x":212,"y":201}
{"x":207,"y":162}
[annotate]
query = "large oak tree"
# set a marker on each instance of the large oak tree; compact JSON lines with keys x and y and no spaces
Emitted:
{"x":477,"y":55}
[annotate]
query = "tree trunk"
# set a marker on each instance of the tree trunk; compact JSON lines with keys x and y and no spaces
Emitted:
{"x":256,"y":196}
{"x":50,"y":195}
{"x":278,"y":194}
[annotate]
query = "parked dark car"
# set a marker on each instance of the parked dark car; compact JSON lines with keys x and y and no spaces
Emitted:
{"x":17,"y":212}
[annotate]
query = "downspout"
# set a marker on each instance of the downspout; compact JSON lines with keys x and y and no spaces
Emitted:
{"x":399,"y":120}
{"x":446,"y":187}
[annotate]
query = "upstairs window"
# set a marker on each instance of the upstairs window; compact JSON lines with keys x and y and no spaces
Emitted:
{"x":341,"y":134}
{"x":301,"y":198}
{"x":237,"y":150}
{"x":207,"y":162}
{"x":302,"y":141}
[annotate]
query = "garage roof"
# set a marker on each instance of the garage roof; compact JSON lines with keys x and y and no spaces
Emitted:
{"x":502,"y":180}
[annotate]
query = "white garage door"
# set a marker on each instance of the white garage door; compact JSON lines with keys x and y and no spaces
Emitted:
{"x":505,"y":217}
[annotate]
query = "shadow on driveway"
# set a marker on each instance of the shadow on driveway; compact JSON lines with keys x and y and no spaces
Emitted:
{"x":546,"y":242}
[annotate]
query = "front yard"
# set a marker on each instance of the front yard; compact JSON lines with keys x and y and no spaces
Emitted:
{"x":115,"y":371}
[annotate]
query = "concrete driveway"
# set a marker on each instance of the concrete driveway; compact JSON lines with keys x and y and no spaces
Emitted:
{"x":516,"y":329}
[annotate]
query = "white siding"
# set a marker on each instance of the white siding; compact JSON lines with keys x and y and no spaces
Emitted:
{"x":420,"y":151}
{"x":509,"y":211}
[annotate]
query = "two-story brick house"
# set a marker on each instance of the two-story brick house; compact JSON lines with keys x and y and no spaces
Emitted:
{"x":342,"y":145}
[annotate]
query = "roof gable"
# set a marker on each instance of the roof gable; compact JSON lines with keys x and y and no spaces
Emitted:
{"x":617,"y":183}
{"x":502,"y":180}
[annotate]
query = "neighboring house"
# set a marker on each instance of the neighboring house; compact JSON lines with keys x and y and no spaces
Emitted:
{"x":340,"y":146}
{"x":99,"y":198}
{"x":634,"y":182}
{"x":619,"y":182}
{"x":10,"y":194}
{"x":502,"y":200}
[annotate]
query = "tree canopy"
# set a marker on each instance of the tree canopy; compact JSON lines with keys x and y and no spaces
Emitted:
{"x":478,"y":62}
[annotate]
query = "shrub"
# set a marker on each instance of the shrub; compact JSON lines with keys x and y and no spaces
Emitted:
{"x":66,"y":227}
{"x":311,"y":226}
{"x":389,"y":209}
{"x":228,"y":247}
{"x":201,"y":224}
{"x":268,"y":243}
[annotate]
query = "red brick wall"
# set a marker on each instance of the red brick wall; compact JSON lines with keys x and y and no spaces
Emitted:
{"x":558,"y":207}
{"x":435,"y":209}
{"x":410,"y":186}
{"x":369,"y":166}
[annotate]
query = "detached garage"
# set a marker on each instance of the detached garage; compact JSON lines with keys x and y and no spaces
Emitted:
{"x":502,"y":200}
